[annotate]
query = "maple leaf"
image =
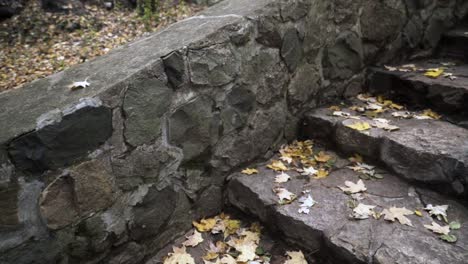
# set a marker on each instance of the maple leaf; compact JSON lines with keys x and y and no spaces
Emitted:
{"x":250,"y":236}
{"x":179,"y":256}
{"x":309,"y":171}
{"x":210,"y":255}
{"x":79,"y":85}
{"x":440,"y":211}
{"x":218,"y":261}
{"x":399,"y":214}
{"x":353,"y":187}
{"x":277,"y":165}
{"x":249,"y":171}
{"x":322,"y":157}
{"x":295,"y":257}
{"x":363,"y":211}
{"x":305,"y":204}
{"x":193,"y":240}
{"x":436,"y":228}
{"x":431,"y":114}
{"x":455,"y":225}
{"x":334,"y":108}
{"x":205,"y":225}
{"x":286,"y":159}
{"x":402,"y":114}
{"x":359,"y":126}
{"x":390,"y":68}
{"x":281,"y":178}
{"x":384,"y":124}
{"x":434,"y":73}
{"x":284,"y":195}
{"x":449,"y":238}
{"x":246,"y":249}
{"x":418,"y":213}
{"x":231,"y":226}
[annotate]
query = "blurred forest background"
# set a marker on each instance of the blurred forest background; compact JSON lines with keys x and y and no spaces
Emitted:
{"x":41,"y":37}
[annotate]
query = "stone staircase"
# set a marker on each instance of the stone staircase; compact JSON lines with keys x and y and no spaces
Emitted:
{"x":424,"y":161}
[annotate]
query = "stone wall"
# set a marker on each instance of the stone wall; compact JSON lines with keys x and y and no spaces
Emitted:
{"x":112,"y":172}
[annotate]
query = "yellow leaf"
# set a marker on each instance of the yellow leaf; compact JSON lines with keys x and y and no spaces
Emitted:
{"x":277,"y":166}
{"x":434,"y":73}
{"x":205,"y":225}
{"x":249,"y":171}
{"x":321,"y":174}
{"x":396,"y":106}
{"x":322,"y":157}
{"x":432,"y":114}
{"x":231,"y":227}
{"x":418,"y":213}
{"x":256,"y":227}
{"x":360,"y":126}
{"x":334,"y":108}
{"x":210,"y":256}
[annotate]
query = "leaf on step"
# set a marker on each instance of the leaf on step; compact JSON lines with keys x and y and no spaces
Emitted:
{"x":246,"y":249}
{"x":402,"y":114}
{"x":450,"y":76}
{"x":431,"y":114}
{"x":434,"y":72}
{"x":334,"y":108}
{"x":321,"y":173}
{"x":282,"y":178}
{"x":363,"y":211}
{"x":277,"y":165}
{"x":284,"y":195}
{"x":287,"y":159}
{"x":305,"y":204}
{"x":295,"y":257}
{"x":418,"y":213}
{"x":79,"y":85}
{"x":228,"y":259}
{"x":249,"y":171}
{"x":309,"y":171}
{"x":353,"y":187}
{"x":374,"y":107}
{"x":218,"y":261}
{"x":210,"y":255}
{"x":384,"y":124}
{"x":455,"y":225}
{"x":399,"y":214}
{"x":436,"y":228}
{"x":322,"y":157}
{"x":356,"y":158}
{"x":205,"y":225}
{"x":390,"y":68}
{"x":179,"y":256}
{"x":359,"y":126}
{"x":247,"y":235}
{"x":439,"y":211}
{"x":193,"y":240}
{"x":449,"y":238}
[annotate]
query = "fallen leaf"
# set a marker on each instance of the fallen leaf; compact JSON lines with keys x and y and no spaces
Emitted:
{"x":282,"y":178}
{"x":384,"y":124}
{"x":334,"y":108}
{"x":287,"y":159}
{"x":432,"y":114}
{"x":246,"y":249}
{"x":249,"y":171}
{"x":363,"y":211}
{"x":305,"y":204}
{"x":179,"y":256}
{"x":449,"y":238}
{"x":434,"y":73}
{"x":284,"y":195}
{"x":440,"y":211}
{"x":359,"y":126}
{"x":321,"y":173}
{"x":205,"y":225}
{"x":399,"y":214}
{"x":436,"y":228}
{"x":322,"y":157}
{"x":218,"y":261}
{"x":250,"y":236}
{"x":390,"y":68}
{"x":402,"y":114}
{"x":396,"y":106}
{"x":232,"y":226}
{"x":449,"y":76}
{"x":210,"y":255}
{"x":228,"y":259}
{"x":418,"y":213}
{"x":193,"y":240}
{"x":356,"y":158}
{"x":309,"y":171}
{"x":353,"y":187}
{"x":295,"y":257}
{"x":79,"y":85}
{"x":455,"y":225}
{"x":277,"y":165}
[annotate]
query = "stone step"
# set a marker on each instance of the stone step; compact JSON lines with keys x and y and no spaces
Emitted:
{"x":329,"y":230}
{"x":454,"y":44}
{"x":429,"y":152}
{"x":413,"y":88}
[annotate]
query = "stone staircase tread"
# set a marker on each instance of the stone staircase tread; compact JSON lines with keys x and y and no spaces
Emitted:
{"x":458,"y":32}
{"x":431,"y":152}
{"x":328,"y":227}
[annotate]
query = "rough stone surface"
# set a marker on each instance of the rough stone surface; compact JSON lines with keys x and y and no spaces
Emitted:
{"x":168,"y":117}
{"x":329,"y":229}
{"x":426,"y":151}
{"x":415,"y":89}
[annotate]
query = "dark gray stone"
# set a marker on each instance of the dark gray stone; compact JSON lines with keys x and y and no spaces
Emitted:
{"x":176,"y":69}
{"x":380,"y":22}
{"x":144,"y":105}
{"x":305,"y":83}
{"x":82,"y":128}
{"x":345,"y":58}
{"x":292,"y":10}
{"x":291,"y":49}
{"x":329,"y":228}
{"x":193,"y":126}
{"x":427,"y":151}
